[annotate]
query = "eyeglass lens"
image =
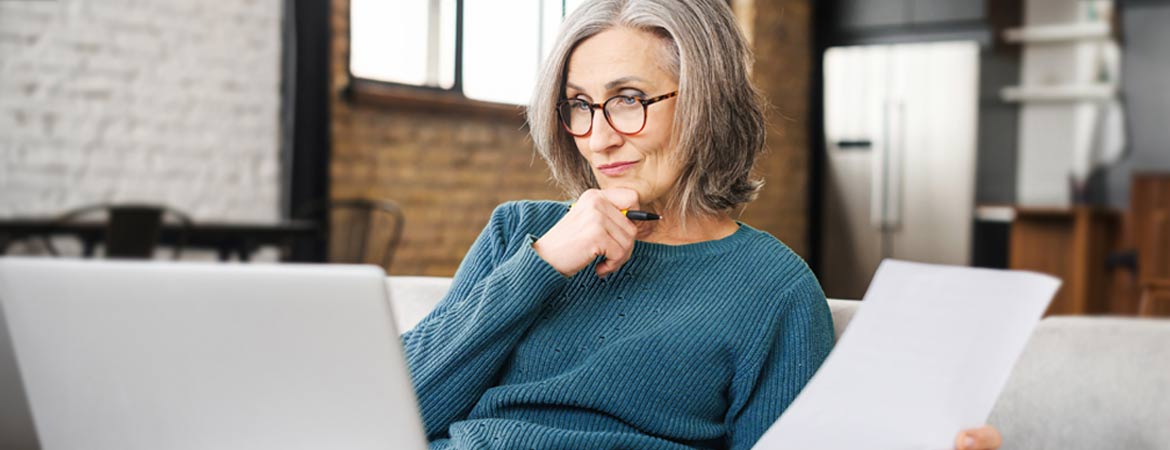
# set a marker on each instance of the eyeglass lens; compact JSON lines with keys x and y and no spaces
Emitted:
{"x":625,"y":114}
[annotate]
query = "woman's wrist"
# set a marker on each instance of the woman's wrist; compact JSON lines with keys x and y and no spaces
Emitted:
{"x":546,"y":255}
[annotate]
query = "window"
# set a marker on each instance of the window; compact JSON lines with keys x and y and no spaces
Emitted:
{"x":483,"y":50}
{"x":410,"y":42}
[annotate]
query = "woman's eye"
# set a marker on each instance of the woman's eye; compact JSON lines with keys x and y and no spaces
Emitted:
{"x":627,"y":100}
{"x":581,"y":106}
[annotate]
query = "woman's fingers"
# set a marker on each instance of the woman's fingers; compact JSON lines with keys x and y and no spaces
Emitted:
{"x":982,"y":438}
{"x":621,"y":232}
{"x":594,"y":227}
{"x":618,"y":241}
{"x":611,"y":263}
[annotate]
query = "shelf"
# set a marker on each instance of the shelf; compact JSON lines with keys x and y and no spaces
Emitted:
{"x":1059,"y":93}
{"x":995,"y":213}
{"x":1058,"y":33}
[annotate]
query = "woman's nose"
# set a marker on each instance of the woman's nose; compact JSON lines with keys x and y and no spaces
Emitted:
{"x":603,"y":137}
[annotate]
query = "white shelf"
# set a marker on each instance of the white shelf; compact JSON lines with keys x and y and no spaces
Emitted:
{"x":1059,"y":93}
{"x":1058,"y":33}
{"x":995,"y":213}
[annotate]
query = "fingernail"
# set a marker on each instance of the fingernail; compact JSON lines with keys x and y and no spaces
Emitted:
{"x":968,"y":442}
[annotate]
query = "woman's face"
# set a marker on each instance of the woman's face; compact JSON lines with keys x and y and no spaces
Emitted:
{"x":622,"y":61}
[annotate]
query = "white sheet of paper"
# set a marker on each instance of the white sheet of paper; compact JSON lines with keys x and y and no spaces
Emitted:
{"x":925,"y":356}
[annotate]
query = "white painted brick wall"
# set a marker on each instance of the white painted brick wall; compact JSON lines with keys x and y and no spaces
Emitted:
{"x":172,"y":101}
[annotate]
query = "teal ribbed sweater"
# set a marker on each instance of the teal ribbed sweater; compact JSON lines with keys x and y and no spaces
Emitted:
{"x":698,"y":345}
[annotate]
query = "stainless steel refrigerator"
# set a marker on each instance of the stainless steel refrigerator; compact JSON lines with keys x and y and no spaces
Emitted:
{"x":900,"y":124}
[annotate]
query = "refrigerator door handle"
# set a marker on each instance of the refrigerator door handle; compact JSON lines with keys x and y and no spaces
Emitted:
{"x":885,"y":204}
{"x":878,"y":170}
{"x":896,"y":161}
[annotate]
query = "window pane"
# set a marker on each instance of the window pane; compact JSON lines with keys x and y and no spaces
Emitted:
{"x":447,"y":44}
{"x":503,"y":41}
{"x":501,"y":44}
{"x":411,"y":42}
{"x":550,"y":21}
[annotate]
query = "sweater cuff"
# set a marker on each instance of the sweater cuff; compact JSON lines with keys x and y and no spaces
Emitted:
{"x":540,"y":276}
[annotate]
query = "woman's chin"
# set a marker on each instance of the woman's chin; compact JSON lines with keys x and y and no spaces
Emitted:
{"x":630,"y":186}
{"x":644,"y":193}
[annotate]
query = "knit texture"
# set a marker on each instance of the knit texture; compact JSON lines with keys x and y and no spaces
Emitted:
{"x":691,"y":346}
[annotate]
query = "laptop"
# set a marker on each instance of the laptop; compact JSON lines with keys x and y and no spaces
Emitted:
{"x":150,"y":355}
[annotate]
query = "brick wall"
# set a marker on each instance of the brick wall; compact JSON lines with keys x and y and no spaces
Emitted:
{"x":449,"y":169}
{"x":781,"y":35}
{"x":173,"y":101}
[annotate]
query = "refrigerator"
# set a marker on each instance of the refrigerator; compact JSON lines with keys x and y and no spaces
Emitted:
{"x":899,"y":161}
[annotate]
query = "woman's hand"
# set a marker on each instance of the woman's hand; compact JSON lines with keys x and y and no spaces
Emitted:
{"x":982,"y":438}
{"x":595,"y":226}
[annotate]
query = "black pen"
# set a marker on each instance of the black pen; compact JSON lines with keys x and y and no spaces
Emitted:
{"x":634,"y":214}
{"x":640,"y":215}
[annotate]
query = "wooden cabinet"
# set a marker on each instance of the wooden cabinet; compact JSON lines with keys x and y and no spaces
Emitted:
{"x":1071,"y":244}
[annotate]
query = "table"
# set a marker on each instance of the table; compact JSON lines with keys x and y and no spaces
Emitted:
{"x":227,"y":238}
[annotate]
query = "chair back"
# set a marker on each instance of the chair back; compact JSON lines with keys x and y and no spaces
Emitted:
{"x":132,"y":230}
{"x":364,"y":231}
{"x":1150,"y":217}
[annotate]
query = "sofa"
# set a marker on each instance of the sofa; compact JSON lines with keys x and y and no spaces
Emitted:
{"x":1082,"y":382}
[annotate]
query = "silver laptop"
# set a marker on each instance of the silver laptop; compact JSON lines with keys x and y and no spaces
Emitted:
{"x":149,"y":355}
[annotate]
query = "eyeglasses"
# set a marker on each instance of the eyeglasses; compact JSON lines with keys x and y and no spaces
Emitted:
{"x":626,"y":114}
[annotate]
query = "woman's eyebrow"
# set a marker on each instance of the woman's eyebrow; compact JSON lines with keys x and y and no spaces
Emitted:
{"x":621,"y":81}
{"x":610,"y":85}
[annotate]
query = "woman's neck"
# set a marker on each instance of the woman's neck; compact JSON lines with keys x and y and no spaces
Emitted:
{"x":699,"y":229}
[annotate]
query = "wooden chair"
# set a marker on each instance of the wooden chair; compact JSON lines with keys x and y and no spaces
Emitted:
{"x":1155,"y":299}
{"x":360,"y":231}
{"x":1150,"y":218}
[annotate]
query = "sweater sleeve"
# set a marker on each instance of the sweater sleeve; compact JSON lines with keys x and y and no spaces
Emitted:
{"x":456,"y":351}
{"x":801,"y":341}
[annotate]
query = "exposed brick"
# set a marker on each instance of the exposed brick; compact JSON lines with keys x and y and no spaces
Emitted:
{"x":781,"y":38}
{"x":121,"y":100}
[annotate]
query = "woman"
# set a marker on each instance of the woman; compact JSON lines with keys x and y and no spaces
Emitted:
{"x":578,"y":328}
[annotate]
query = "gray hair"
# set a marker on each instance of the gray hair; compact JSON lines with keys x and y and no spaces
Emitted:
{"x":719,"y":119}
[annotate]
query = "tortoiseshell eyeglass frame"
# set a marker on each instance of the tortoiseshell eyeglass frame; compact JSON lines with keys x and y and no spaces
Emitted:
{"x":593,"y":107}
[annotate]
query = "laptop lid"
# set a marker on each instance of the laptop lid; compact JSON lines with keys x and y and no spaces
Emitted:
{"x":149,"y":355}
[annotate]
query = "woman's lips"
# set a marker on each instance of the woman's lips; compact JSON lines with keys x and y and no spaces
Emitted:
{"x":615,"y":169}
